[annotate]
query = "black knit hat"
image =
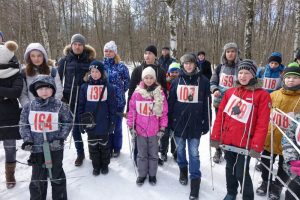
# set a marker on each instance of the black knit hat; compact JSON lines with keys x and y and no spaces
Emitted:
{"x":275,"y":56}
{"x":249,"y":65}
{"x":152,"y":49}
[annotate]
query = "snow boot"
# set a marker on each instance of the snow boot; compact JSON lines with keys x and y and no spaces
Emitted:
{"x":218,"y":156}
{"x":140,"y":181}
{"x":79,"y":160}
{"x":10,"y":175}
{"x":152,"y":180}
{"x":164,"y":157}
{"x":116,"y":154}
{"x":262,"y":189}
{"x":160,"y":162}
{"x":259,"y":167}
{"x":183,"y":176}
{"x":96,"y":172}
{"x":229,"y":197}
{"x":104,"y":169}
{"x":275,"y":192}
{"x":195,"y":185}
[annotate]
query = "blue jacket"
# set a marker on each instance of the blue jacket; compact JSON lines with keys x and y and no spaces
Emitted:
{"x":106,"y":110}
{"x":189,"y":120}
{"x":165,"y":62}
{"x":77,"y":66}
{"x":119,"y":78}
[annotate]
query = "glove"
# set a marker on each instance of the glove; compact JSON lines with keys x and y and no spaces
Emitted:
{"x":65,"y":100}
{"x":55,"y":144}
{"x":27,"y":146}
{"x":295,"y":167}
{"x":254,"y":154}
{"x":161,"y":133}
{"x":132,"y":132}
{"x":215,"y":144}
{"x":111,"y":129}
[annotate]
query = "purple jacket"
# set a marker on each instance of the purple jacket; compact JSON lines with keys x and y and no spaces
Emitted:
{"x":142,"y":116}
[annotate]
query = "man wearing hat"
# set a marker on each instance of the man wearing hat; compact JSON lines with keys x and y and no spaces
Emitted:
{"x":204,"y":65}
{"x":165,"y":59}
{"x":72,"y":68}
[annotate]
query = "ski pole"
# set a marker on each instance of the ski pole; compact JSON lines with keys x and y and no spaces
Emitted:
{"x":47,"y":153}
{"x":210,"y":158}
{"x":271,"y":159}
{"x":75,"y":111}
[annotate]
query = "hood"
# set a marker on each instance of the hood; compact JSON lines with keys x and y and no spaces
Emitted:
{"x":87,"y":48}
{"x":42,"y":79}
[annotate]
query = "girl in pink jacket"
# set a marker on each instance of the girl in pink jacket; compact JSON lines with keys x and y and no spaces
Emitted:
{"x":147,"y":120}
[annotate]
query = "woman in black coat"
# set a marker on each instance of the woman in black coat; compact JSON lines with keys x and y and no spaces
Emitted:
{"x":11,"y":84}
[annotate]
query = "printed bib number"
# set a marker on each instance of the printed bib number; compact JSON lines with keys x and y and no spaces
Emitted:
{"x":144,"y":108}
{"x":243,"y":106}
{"x":271,"y":83}
{"x":226,"y":80}
{"x":297,"y":135}
{"x":281,"y":120}
{"x":37,"y":118}
{"x":94,"y":92}
{"x":187,"y":93}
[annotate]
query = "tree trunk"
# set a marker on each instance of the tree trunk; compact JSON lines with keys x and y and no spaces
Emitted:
{"x":297,"y":28}
{"x":42,"y":22}
{"x":173,"y":27}
{"x":248,"y":28}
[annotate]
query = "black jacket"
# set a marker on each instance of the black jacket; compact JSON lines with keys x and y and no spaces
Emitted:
{"x":165,"y":62}
{"x":205,"y":68}
{"x":10,"y":89}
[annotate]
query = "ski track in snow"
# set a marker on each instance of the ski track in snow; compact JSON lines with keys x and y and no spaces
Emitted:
{"x":119,"y":183}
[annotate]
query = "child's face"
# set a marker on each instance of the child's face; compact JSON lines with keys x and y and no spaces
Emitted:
{"x":292,"y":80}
{"x":274,"y":64}
{"x":174,"y":74}
{"x":109,"y":53}
{"x":36,"y":57}
{"x":201,"y":57}
{"x":230,"y":54}
{"x":95,"y":73}
{"x":189,"y":67}
{"x":149,"y":80}
{"x":44,"y":92}
{"x":244,"y":77}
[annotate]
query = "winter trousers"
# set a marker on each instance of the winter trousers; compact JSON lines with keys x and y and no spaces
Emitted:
{"x":10,"y":150}
{"x":295,"y":187}
{"x":38,"y":185}
{"x":164,"y":142}
{"x":117,"y":137}
{"x":234,"y":175}
{"x":147,"y":158}
{"x":193,"y":146}
{"x":99,"y":150}
{"x":280,"y":172}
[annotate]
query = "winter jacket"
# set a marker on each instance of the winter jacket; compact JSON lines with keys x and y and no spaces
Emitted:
{"x":205,"y":68}
{"x":75,"y":67}
{"x":118,"y":77}
{"x":54,"y":113}
{"x":233,"y":129}
{"x":142,"y":115}
{"x":289,"y":152}
{"x":27,"y":96}
{"x":11,"y":84}
{"x":88,"y":100}
{"x":189,"y":119}
{"x":289,"y":102}
{"x":271,"y":78}
{"x":136,"y":78}
{"x":165,"y":62}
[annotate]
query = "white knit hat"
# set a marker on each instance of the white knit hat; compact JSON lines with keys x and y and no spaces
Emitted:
{"x":148,"y":71}
{"x":111,"y":45}
{"x":35,"y":46}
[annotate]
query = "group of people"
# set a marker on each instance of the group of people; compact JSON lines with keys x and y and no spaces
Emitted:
{"x":168,"y":103}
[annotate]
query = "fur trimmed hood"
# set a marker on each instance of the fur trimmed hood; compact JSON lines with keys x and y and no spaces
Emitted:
{"x":89,"y":50}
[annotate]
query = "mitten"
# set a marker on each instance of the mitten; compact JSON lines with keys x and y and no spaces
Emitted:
{"x":254,"y":154}
{"x":132,"y":132}
{"x":55,"y":144}
{"x":295,"y":167}
{"x":161,"y":133}
{"x":27,"y":146}
{"x":214,"y":143}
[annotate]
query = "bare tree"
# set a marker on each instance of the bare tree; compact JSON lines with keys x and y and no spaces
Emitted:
{"x":172,"y":26}
{"x":248,"y":28}
{"x":297,"y":28}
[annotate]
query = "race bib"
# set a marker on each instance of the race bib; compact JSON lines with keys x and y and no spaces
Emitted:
{"x":144,"y":108}
{"x":94,"y":93}
{"x":243,"y":106}
{"x":281,"y":120}
{"x":271,"y":83}
{"x":226,"y":80}
{"x":187,"y":93}
{"x":39,"y":118}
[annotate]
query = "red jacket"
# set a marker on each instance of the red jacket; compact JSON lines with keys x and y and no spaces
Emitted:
{"x":233,"y":129}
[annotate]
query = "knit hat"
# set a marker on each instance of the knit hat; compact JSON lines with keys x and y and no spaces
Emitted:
{"x":249,"y":65}
{"x":2,"y":36}
{"x":201,"y":52}
{"x":292,"y":69}
{"x":276,"y":57}
{"x":78,"y":38}
{"x":148,"y":71}
{"x":7,"y":51}
{"x":174,"y":67}
{"x":97,"y":65}
{"x":188,"y":57}
{"x":35,"y":46}
{"x":152,"y":49}
{"x":166,"y":48}
{"x":111,"y":45}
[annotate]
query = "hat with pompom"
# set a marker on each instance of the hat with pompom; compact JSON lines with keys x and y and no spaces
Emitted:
{"x":7,"y":51}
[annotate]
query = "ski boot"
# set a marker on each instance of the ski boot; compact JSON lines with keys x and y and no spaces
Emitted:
{"x":195,"y":185}
{"x":152,"y":180}
{"x":218,"y":156}
{"x":262,"y":189}
{"x":229,"y":197}
{"x":275,"y":192}
{"x":183,"y":177}
{"x":140,"y":181}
